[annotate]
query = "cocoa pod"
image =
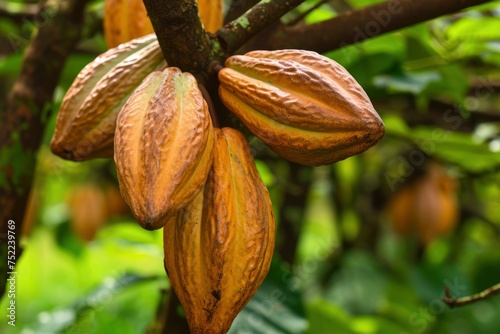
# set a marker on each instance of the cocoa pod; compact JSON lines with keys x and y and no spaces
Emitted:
{"x":218,"y":249}
{"x":87,"y":117}
{"x":88,"y":209}
{"x":211,"y":14}
{"x":163,"y":146}
{"x":304,"y":106}
{"x":425,"y":207}
{"x":125,"y":20}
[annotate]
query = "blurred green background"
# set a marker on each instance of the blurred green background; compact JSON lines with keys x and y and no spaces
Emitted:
{"x":88,"y":267}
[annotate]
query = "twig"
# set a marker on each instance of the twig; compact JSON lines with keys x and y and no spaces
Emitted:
{"x":457,"y":302}
{"x":237,"y":32}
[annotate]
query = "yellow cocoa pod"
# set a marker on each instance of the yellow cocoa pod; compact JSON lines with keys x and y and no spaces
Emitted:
{"x":86,"y":121}
{"x":125,"y":20}
{"x":211,"y":14}
{"x":218,"y":249}
{"x":163,"y":146}
{"x":304,"y":106}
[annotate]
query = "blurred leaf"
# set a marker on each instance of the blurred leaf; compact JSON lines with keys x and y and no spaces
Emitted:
{"x":265,"y":173}
{"x":413,"y":83}
{"x":394,"y":124}
{"x":319,"y":14}
{"x":74,"y":64}
{"x":458,"y":148}
{"x":275,"y":308}
{"x":359,"y":286}
{"x":65,"y":319}
{"x":477,"y":28}
{"x":429,"y":281}
{"x":326,"y":318}
{"x":375,"y":325}
{"x":67,"y":240}
{"x":453,"y":83}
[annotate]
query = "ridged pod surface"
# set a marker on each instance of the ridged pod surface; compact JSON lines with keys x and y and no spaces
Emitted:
{"x":163,"y":146}
{"x":125,"y":20}
{"x":304,"y":106}
{"x":86,"y":121}
{"x":218,"y":249}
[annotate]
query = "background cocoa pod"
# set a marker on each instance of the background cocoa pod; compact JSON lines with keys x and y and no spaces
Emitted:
{"x":218,"y":249}
{"x":163,"y":146}
{"x":305,"y":106}
{"x":87,"y":118}
{"x":125,"y":20}
{"x":211,"y":14}
{"x":88,"y":209}
{"x":425,"y":207}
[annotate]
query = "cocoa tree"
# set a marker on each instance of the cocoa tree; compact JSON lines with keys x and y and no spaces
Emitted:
{"x":185,"y":45}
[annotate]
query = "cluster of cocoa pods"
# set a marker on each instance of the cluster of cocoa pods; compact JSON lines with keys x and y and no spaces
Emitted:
{"x":198,"y":182}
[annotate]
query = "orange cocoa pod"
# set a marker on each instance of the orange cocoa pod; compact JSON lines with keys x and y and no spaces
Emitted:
{"x":163,"y":146}
{"x":125,"y":20}
{"x":86,"y":121}
{"x":218,"y":249}
{"x":87,"y":206}
{"x":304,"y":106}
{"x":211,"y":14}
{"x":426,"y":207}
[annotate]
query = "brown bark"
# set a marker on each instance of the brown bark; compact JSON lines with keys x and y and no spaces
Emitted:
{"x":27,"y":110}
{"x":355,"y":26}
{"x":181,"y":35}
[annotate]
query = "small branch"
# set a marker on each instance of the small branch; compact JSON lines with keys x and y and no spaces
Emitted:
{"x":180,"y":33}
{"x":356,"y":26}
{"x":457,"y":302}
{"x":236,"y":33}
{"x":237,"y":8}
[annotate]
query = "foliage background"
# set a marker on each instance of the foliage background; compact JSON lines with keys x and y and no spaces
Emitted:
{"x":351,"y":273}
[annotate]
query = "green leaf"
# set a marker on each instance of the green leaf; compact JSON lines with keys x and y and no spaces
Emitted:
{"x":265,"y":173}
{"x":457,"y":148}
{"x":474,"y":28}
{"x":275,"y":308}
{"x":414,"y":83}
{"x":326,"y":318}
{"x":70,"y":318}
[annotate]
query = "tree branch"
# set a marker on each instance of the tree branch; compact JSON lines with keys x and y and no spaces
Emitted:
{"x":234,"y":34}
{"x":457,"y":302}
{"x":356,"y":26}
{"x":28,"y":109}
{"x":180,"y":32}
